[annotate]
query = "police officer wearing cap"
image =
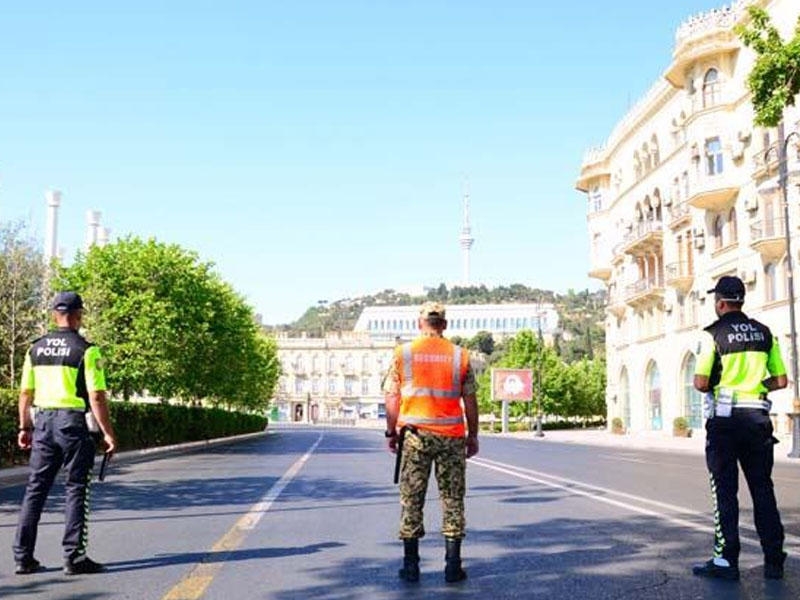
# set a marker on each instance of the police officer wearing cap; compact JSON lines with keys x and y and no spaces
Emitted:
{"x":63,"y":381}
{"x":430,"y":393}
{"x":739,"y":363}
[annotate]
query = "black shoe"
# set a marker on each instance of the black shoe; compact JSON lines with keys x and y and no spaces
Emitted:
{"x":712,"y":569}
{"x":82,"y":566}
{"x":453,"y":573}
{"x":28,"y":566}
{"x":410,"y":570}
{"x":774,"y":570}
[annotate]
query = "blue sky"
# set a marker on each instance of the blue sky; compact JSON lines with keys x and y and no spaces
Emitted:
{"x":318,"y":150}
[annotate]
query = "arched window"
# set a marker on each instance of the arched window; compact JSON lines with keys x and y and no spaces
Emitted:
{"x":692,"y":399}
{"x":710,"y":88}
{"x":770,"y":283}
{"x":637,"y":165}
{"x":657,"y":203}
{"x":653,"y":394}
{"x":655,"y":151}
{"x":647,"y":158}
{"x":717,"y":229}
{"x":733,"y":233}
{"x":625,"y":398}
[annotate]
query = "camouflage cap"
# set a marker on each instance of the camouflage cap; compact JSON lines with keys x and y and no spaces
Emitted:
{"x":432,"y":310}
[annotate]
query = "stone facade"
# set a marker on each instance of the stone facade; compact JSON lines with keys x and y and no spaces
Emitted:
{"x":683,"y":192}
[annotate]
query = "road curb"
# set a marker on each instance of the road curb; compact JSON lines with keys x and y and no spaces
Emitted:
{"x":16,"y":475}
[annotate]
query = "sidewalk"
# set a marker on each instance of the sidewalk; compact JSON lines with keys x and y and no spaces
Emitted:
{"x":641,"y":440}
{"x":17,"y":475}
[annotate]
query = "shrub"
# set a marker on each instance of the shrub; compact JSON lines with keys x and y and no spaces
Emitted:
{"x":141,"y":425}
{"x":680,"y":427}
{"x":617,"y":425}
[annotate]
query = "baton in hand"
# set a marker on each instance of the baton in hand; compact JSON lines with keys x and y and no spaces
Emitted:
{"x":103,"y":465}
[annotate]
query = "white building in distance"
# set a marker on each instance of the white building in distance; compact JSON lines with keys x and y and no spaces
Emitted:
{"x":463,"y":320}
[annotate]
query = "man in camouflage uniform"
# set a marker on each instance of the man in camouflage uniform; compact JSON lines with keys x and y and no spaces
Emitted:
{"x":424,"y":443}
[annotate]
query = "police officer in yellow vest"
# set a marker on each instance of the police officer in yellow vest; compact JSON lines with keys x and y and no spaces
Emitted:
{"x":424,"y":388}
{"x":63,"y":381}
{"x":739,"y":363}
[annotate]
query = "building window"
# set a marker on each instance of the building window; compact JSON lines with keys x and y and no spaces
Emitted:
{"x":710,"y":88}
{"x":733,"y":233}
{"x":717,"y":229}
{"x":653,"y":385}
{"x":331,"y":385}
{"x":331,"y":364}
{"x":685,"y":183}
{"x":365,"y":363}
{"x":364,"y":386}
{"x":713,"y":156}
{"x":299,"y":385}
{"x":770,"y":285}
{"x":595,"y":199}
{"x":348,"y":386}
{"x":655,"y":151}
{"x":348,"y":363}
{"x":315,"y":385}
{"x":692,"y":399}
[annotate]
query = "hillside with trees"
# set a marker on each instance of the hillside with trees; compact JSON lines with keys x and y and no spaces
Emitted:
{"x":581,"y":314}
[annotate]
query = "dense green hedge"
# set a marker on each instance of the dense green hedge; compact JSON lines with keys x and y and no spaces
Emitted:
{"x":141,"y":425}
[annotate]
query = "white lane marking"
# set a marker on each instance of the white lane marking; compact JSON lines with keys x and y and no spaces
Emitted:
{"x":252,"y":518}
{"x":551,"y":481}
{"x":625,"y":458}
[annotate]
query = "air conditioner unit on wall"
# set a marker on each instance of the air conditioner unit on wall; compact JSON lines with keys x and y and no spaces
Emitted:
{"x":748,"y":276}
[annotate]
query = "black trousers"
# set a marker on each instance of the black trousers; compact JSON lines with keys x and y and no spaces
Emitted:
{"x":744,"y":438}
{"x":60,"y":438}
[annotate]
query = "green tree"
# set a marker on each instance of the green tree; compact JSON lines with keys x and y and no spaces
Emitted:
{"x":22,"y":299}
{"x":169,"y":327}
{"x":483,"y":342}
{"x":774,"y":81}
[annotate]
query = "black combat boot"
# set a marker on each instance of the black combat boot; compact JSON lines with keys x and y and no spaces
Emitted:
{"x":410,"y":570}
{"x":453,"y":572}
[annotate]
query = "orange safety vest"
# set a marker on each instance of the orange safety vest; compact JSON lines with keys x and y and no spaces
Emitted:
{"x":431,"y":372}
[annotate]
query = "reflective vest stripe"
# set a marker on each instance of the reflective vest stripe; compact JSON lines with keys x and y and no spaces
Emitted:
{"x":408,"y":391}
{"x":433,"y":420}
{"x":407,"y":374}
{"x":457,"y":368}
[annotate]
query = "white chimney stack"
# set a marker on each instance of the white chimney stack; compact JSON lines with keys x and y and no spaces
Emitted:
{"x":103,"y":236}
{"x":51,"y":240}
{"x":92,"y":227}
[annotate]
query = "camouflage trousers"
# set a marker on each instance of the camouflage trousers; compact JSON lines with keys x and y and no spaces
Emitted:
{"x":420,"y":451}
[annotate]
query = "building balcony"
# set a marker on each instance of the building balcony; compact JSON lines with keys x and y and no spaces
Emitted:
{"x":645,"y":292}
{"x":603,"y":273}
{"x":768,"y":238}
{"x":707,"y":34}
{"x":595,"y":168}
{"x":680,"y":276}
{"x":645,"y":237}
{"x":764,"y":164}
{"x":679,"y":215}
{"x":713,"y":192}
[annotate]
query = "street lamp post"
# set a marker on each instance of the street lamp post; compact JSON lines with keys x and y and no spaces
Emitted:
{"x":539,"y":359}
{"x":782,"y":147}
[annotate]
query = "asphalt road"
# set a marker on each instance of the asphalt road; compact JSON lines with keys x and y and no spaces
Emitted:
{"x":312,"y":513}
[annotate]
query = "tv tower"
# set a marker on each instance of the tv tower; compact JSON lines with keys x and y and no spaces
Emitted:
{"x":465,"y":239}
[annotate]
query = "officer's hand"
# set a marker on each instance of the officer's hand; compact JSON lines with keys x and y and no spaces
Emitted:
{"x":472,"y":446}
{"x":24,"y":440}
{"x":111,"y":443}
{"x":392,"y":444}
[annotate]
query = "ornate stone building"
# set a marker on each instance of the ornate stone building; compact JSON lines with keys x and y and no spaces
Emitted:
{"x":337,"y":377}
{"x":684,"y":191}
